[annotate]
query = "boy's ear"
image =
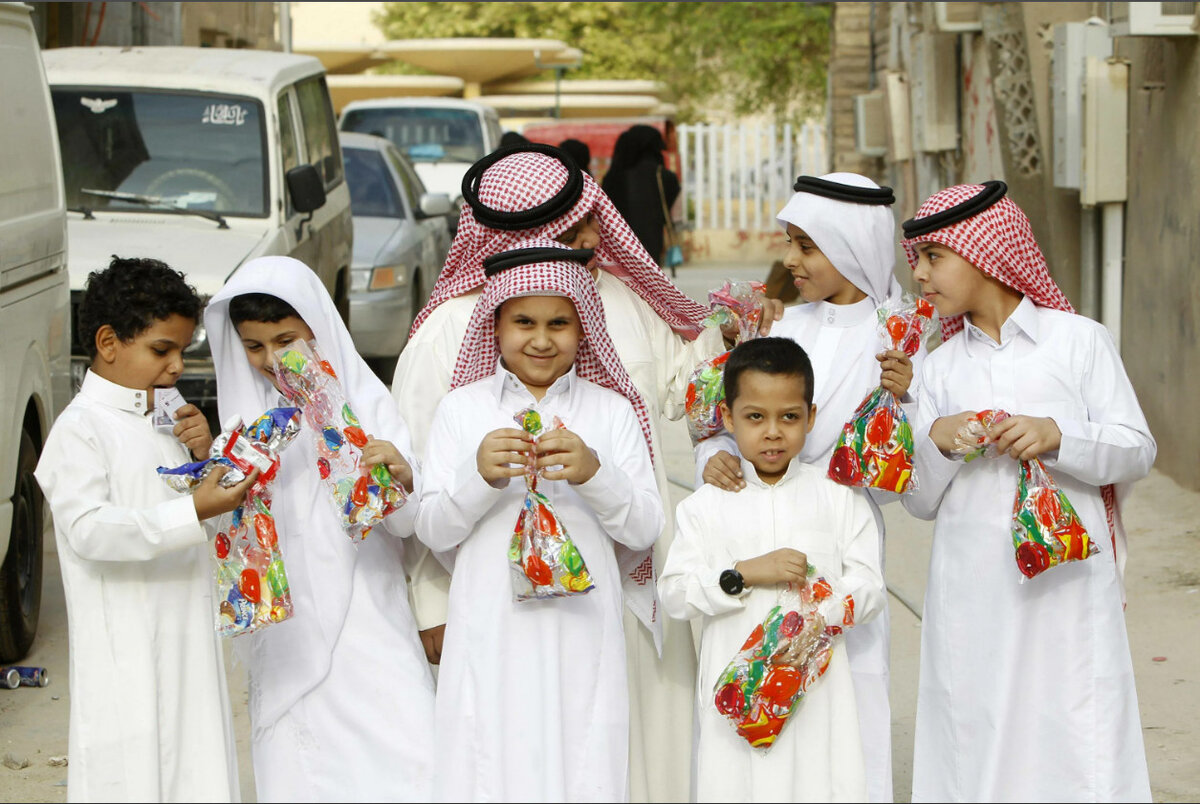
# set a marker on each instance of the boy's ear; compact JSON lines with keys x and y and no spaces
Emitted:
{"x":726,"y":416}
{"x":107,"y":343}
{"x":812,"y":417}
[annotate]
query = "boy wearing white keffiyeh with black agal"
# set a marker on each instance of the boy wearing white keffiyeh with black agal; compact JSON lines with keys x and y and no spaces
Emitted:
{"x":532,"y":697}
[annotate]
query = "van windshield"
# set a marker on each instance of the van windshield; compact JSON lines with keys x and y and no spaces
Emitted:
{"x":193,"y":151}
{"x":425,"y":134}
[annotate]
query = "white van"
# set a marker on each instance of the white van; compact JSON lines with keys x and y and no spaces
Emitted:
{"x":203,"y":158}
{"x":441,"y":136}
{"x":34,"y":319}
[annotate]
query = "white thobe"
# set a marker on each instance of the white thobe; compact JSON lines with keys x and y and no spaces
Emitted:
{"x":660,"y":363}
{"x":818,"y":755}
{"x":150,"y":718}
{"x":532,"y":702}
{"x":1027,"y":689}
{"x":841,"y":341}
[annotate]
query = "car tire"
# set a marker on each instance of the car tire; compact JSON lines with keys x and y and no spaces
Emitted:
{"x":21,"y":572}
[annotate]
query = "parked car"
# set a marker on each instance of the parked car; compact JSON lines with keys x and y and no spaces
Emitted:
{"x":203,"y":158}
{"x":400,"y":245}
{"x":34,"y":320}
{"x":442,"y":136}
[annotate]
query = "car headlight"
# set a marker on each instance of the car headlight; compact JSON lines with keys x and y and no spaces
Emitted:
{"x":382,"y":277}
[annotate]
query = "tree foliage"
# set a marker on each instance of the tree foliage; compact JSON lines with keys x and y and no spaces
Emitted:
{"x":750,"y":57}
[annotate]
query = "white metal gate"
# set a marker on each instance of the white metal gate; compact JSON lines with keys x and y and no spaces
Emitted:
{"x":738,"y":175}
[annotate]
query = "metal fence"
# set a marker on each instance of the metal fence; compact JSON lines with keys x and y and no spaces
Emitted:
{"x":738,"y":175}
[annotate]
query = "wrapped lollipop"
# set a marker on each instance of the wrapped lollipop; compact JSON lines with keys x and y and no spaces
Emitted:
{"x":252,"y":585}
{"x":875,"y":448}
{"x":361,"y":496}
{"x":739,"y":303}
{"x":1046,"y":531}
{"x":781,"y":659}
{"x":544,"y":560}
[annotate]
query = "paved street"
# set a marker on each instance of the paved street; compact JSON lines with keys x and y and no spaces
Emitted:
{"x":1162,"y":616}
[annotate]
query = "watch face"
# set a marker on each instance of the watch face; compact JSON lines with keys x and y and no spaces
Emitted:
{"x":731,"y":582}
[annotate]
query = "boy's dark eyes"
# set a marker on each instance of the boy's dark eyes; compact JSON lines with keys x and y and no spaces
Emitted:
{"x":158,"y":351}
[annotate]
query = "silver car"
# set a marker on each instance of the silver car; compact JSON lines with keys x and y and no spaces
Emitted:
{"x":401,"y":236}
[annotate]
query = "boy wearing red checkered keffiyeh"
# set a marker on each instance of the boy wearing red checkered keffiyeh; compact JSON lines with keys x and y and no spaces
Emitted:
{"x":1012,"y":670}
{"x":532,"y":696}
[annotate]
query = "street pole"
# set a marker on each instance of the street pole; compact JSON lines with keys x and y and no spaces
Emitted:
{"x":285,"y":26}
{"x":558,"y":74}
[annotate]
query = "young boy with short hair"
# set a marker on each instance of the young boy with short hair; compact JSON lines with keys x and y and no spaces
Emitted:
{"x":341,"y":697}
{"x":732,"y":555}
{"x":1012,"y":670}
{"x":532,"y":699}
{"x":150,"y":718}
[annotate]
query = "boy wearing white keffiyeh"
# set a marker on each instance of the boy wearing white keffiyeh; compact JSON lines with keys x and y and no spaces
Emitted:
{"x":532,"y":697}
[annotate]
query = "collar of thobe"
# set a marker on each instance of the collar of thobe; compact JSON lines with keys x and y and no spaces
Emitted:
{"x":1024,"y":319}
{"x":505,"y":379}
{"x":116,"y":396}
{"x":750,"y":474}
{"x":845,"y":315}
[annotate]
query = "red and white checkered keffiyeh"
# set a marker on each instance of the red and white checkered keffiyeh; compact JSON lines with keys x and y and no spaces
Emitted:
{"x":998,"y":241}
{"x":596,"y":360}
{"x":524,"y":180}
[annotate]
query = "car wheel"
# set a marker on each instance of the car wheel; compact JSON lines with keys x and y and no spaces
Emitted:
{"x":21,"y":572}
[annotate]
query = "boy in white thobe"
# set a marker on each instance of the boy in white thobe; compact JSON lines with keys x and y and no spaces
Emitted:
{"x":732,"y":554}
{"x":841,"y":252}
{"x":532,"y":699}
{"x":341,"y":697}
{"x":150,"y":717}
{"x":1015,"y":669}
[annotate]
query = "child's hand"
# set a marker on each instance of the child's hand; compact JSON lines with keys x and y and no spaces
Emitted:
{"x":191,"y":428}
{"x":431,"y":640}
{"x":562,"y":447}
{"x":943,"y":430}
{"x":724,"y":471}
{"x":784,"y":565}
{"x":498,"y":450}
{"x":1025,"y":437}
{"x":895,"y":371}
{"x":212,"y":499}
{"x":377,"y":451}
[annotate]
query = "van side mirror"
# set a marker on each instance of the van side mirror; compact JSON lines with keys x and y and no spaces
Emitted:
{"x":434,"y":205}
{"x":305,"y":188}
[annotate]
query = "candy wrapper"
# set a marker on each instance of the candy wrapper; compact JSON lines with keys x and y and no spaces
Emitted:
{"x":1046,"y":531}
{"x":781,"y":660}
{"x":246,"y":546}
{"x":875,"y":449}
{"x":740,"y":303}
{"x":544,"y":560}
{"x":361,"y":496}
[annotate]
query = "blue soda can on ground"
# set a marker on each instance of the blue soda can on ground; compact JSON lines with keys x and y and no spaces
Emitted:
{"x":26,"y":676}
{"x":10,"y":679}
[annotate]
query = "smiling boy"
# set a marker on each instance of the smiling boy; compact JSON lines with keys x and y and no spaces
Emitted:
{"x":734,"y":551}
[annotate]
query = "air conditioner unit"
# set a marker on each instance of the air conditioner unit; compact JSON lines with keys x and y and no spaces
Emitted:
{"x":1074,"y":42}
{"x":1152,"y":19}
{"x":955,"y":17}
{"x":1104,"y":174}
{"x":870,"y":126}
{"x":934,"y":77}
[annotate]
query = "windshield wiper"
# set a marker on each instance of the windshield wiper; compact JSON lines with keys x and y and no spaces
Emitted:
{"x":157,"y":201}
{"x":86,"y":212}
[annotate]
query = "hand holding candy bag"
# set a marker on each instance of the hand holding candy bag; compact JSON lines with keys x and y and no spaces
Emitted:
{"x":780,"y":661}
{"x":361,"y":497}
{"x":544,"y":560}
{"x":739,"y":303}
{"x":1046,"y":531}
{"x":246,"y":545}
{"x":875,"y":449}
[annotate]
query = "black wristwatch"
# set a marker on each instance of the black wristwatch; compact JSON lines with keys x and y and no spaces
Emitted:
{"x":732,"y":582}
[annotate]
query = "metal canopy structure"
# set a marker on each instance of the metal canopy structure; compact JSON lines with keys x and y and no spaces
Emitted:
{"x":346,"y":88}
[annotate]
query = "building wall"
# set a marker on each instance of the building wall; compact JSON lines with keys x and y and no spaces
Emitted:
{"x":849,"y":75}
{"x":1161,"y":303}
{"x":156,"y":24}
{"x":1005,"y":124}
{"x":335,"y":24}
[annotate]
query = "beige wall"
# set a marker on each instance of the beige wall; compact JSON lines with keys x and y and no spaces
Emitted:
{"x":1161,"y":311}
{"x":335,"y":24}
{"x":249,"y":25}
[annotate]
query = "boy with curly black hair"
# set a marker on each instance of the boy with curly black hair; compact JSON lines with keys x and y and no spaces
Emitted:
{"x":150,"y":718}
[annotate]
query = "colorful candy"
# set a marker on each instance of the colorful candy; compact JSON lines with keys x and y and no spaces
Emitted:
{"x":246,"y":547}
{"x":1046,"y":531}
{"x":875,"y":448}
{"x":544,"y":560}
{"x":362,"y":496}
{"x":781,"y":660}
{"x":739,"y":303}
